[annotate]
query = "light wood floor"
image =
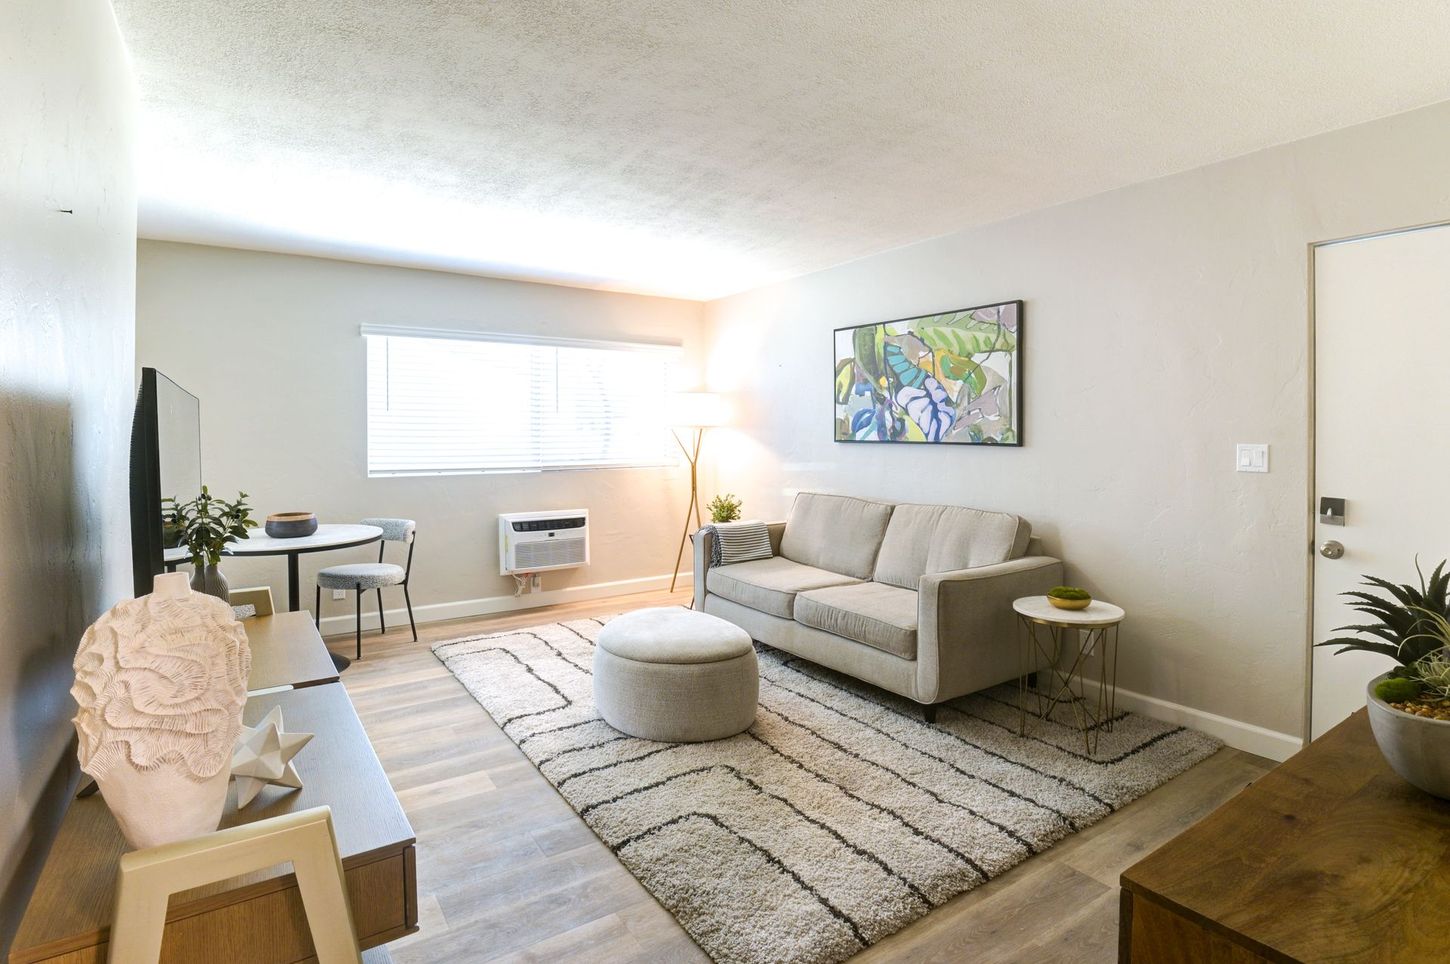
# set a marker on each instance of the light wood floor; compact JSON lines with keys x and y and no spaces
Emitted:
{"x":506,"y":871}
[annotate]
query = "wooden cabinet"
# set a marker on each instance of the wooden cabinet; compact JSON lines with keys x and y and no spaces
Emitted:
{"x":256,"y":918}
{"x":1330,"y":856}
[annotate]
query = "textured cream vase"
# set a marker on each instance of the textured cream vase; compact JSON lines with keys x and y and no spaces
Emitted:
{"x":161,"y":681}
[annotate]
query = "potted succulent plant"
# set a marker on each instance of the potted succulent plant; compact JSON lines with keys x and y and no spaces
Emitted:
{"x":724,"y":508}
{"x":1409,"y":706}
{"x":207,"y":525}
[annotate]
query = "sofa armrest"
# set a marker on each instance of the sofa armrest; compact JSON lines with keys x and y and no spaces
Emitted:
{"x":703,"y":542}
{"x":777,"y":532}
{"x":967,"y":631}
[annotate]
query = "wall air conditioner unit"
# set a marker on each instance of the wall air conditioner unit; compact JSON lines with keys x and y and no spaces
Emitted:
{"x":541,"y":541}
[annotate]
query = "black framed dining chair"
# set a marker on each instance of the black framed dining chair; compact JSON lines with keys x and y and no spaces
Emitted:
{"x":359,"y":577}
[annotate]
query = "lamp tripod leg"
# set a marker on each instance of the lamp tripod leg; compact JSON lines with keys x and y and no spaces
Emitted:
{"x":692,"y":455}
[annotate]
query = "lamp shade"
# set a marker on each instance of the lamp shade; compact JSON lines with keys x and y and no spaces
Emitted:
{"x":697,"y":409}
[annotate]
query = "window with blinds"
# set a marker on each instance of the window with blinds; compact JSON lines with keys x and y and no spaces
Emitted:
{"x":455,"y":403}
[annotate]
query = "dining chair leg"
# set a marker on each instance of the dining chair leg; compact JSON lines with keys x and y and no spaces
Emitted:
{"x":358,"y":597}
{"x":382,"y":625}
{"x":409,"y":600}
{"x":317,"y":609}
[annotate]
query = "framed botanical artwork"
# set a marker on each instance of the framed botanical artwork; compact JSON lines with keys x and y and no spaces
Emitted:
{"x":953,"y":378}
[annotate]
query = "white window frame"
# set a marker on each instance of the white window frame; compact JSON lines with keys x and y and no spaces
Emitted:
{"x":668,"y":455}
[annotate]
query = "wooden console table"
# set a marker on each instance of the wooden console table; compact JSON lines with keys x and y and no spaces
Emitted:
{"x":257,"y":918}
{"x":287,"y":651}
{"x":1330,"y":856}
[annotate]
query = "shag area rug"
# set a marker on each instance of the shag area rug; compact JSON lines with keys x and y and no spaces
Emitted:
{"x":838,"y":818}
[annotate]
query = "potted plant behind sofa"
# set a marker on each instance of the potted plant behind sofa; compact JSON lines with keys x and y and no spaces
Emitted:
{"x":1409,"y":707}
{"x":207,"y":526}
{"x":724,"y":508}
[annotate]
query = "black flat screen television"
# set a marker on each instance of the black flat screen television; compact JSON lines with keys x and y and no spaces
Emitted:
{"x":165,"y":463}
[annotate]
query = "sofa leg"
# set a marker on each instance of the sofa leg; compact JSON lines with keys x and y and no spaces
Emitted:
{"x":1032,"y":681}
{"x":928,"y":712}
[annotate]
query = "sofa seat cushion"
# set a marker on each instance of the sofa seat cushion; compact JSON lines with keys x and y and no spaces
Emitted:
{"x":880,"y":616}
{"x":769,"y":585}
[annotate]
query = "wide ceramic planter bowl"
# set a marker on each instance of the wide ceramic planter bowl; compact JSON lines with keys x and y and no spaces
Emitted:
{"x":1416,"y":748}
{"x":290,"y":525}
{"x":1070,"y":604}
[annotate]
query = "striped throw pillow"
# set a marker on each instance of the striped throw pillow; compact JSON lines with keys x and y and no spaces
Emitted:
{"x":739,"y":542}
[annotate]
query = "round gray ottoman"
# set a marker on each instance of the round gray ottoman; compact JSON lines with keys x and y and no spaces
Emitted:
{"x":675,"y":675}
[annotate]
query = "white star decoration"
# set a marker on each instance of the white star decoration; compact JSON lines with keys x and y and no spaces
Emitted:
{"x":264,"y":755}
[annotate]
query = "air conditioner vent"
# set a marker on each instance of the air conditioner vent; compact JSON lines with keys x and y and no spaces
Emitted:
{"x":540,"y":541}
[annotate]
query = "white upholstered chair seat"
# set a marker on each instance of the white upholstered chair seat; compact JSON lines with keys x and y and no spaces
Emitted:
{"x":369,"y":575}
{"x":362,"y":577}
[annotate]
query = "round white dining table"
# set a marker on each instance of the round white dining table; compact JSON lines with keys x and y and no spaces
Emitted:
{"x":258,"y":543}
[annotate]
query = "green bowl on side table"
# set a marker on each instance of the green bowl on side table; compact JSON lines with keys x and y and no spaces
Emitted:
{"x":1069,"y":597}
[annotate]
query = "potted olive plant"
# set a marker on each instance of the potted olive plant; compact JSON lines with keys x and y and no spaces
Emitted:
{"x":207,"y":525}
{"x":1409,"y":707}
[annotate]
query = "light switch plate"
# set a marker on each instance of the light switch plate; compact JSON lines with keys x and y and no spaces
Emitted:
{"x":1251,"y":457}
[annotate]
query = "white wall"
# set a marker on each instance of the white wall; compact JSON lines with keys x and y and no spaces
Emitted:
{"x":67,"y":272}
{"x":1164,"y":322}
{"x":270,"y":344}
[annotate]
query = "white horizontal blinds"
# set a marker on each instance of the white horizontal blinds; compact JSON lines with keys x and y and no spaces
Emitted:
{"x":608,"y":408}
{"x":437,"y":404}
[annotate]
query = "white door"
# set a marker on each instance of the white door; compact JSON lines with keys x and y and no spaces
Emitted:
{"x":1382,"y":434}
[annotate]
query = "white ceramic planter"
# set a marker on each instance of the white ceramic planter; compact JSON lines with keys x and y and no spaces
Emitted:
{"x":1416,"y":748}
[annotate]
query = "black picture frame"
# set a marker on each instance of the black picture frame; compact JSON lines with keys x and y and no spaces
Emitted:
{"x":1018,"y":384}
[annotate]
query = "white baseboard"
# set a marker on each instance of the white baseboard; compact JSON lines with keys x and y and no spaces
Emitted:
{"x":1240,"y":735}
{"x":341,"y":623}
{"x":1236,"y":733}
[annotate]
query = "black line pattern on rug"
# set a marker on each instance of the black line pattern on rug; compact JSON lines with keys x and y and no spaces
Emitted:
{"x":915,"y":830}
{"x":617,"y":763}
{"x":1071,"y":731}
{"x":735,"y":772}
{"x":542,"y":761}
{"x":528,"y":669}
{"x":835,"y":911}
{"x":576,"y":632}
{"x":791,"y":663}
{"x":936,"y":729}
{"x":1104,"y":761}
{"x":535,"y":636}
{"x":1007,"y":831}
{"x":556,"y":729}
{"x":976,"y":868}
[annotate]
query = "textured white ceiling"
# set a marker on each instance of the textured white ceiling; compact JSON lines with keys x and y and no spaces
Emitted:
{"x":699,"y":148}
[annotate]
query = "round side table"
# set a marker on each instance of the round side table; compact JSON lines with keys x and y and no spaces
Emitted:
{"x":1043,"y":627}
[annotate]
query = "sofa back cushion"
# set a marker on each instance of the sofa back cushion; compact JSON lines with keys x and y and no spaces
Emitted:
{"x":838,"y":533}
{"x":940,"y":538}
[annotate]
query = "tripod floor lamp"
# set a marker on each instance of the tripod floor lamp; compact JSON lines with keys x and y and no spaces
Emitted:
{"x":693,"y":412}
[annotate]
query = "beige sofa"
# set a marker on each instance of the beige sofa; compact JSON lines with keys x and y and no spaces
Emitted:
{"x":916,"y":599}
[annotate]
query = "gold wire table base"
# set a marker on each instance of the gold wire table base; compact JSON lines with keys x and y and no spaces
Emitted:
{"x":1060,"y":684}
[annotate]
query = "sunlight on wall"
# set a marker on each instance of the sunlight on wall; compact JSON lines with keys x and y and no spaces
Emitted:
{"x":282,"y":206}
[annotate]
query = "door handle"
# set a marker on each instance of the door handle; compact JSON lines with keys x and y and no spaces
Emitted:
{"x":1331,"y":549}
